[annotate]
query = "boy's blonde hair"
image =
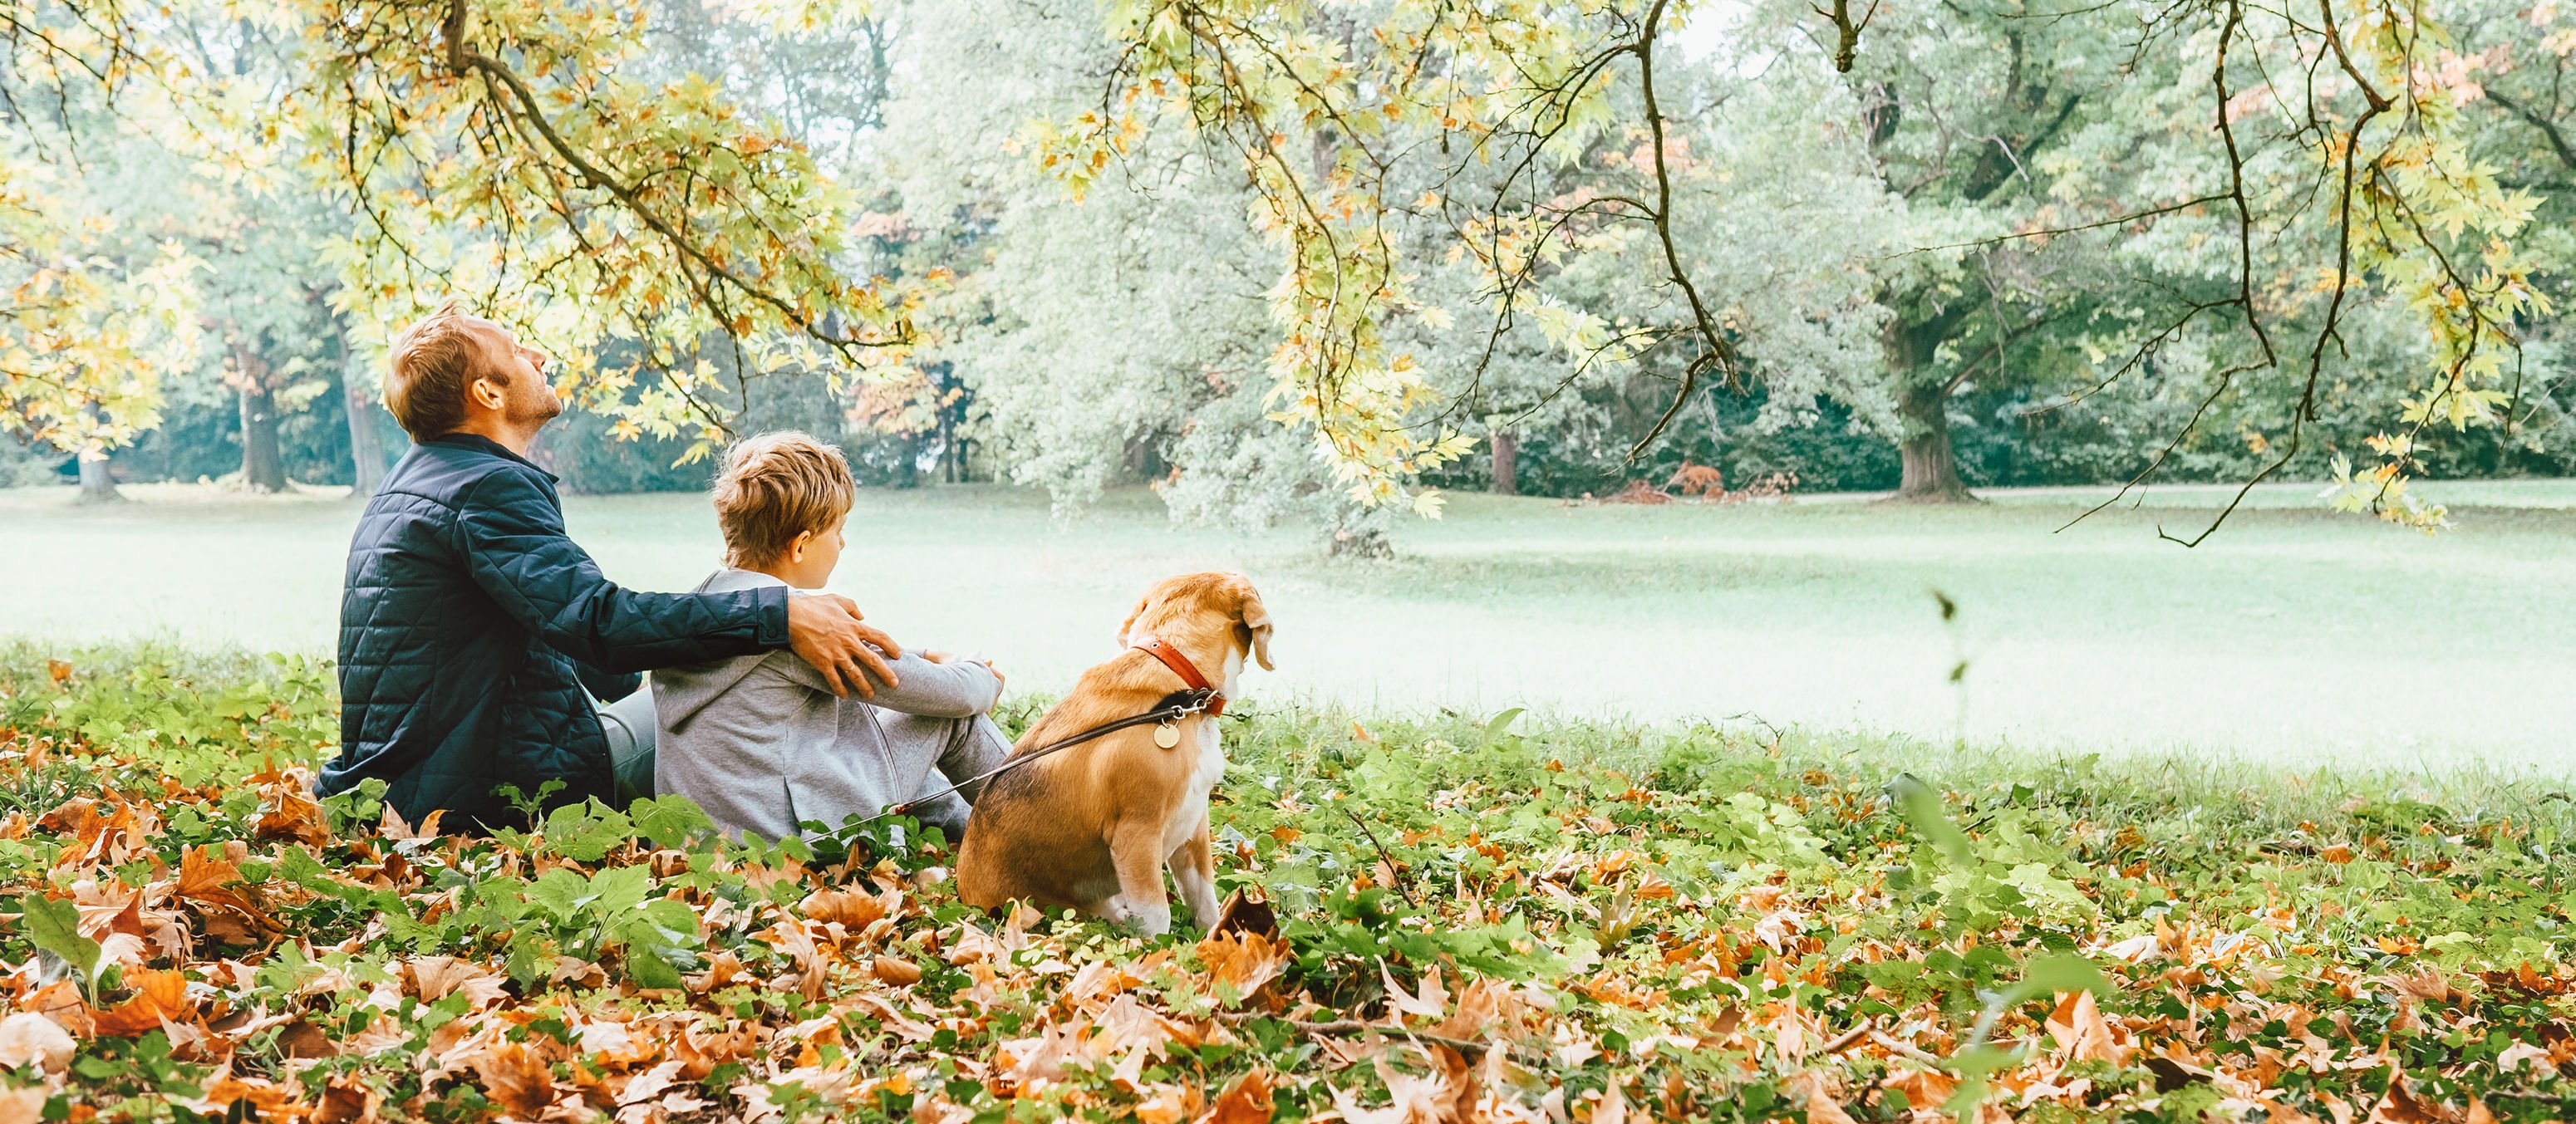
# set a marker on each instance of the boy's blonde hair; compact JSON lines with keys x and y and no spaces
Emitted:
{"x":777,"y":486}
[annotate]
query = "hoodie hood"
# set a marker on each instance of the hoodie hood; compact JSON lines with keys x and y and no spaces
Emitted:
{"x":680,"y":692}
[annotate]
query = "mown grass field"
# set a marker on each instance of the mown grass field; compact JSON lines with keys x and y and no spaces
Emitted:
{"x":1482,"y":917}
{"x":2295,"y":636}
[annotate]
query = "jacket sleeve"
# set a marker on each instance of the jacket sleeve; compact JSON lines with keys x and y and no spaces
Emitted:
{"x":605,"y":685}
{"x":514,"y":546}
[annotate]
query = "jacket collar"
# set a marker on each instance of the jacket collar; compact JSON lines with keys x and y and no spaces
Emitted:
{"x":481,"y":444}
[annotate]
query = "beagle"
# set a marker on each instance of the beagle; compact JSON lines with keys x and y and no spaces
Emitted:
{"x":1094,"y":827}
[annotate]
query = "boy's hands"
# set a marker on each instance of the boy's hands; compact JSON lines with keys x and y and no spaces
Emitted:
{"x":998,"y":679}
{"x":824,"y":630}
{"x":950,"y":657}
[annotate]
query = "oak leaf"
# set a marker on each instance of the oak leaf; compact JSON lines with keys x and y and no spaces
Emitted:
{"x":514,"y":1077}
{"x":1923,"y":1088}
{"x":1242,"y":962}
{"x":1821,"y":1106}
{"x":348,"y":1100}
{"x":848,"y":907}
{"x":1246,"y":1101}
{"x":158,"y":996}
{"x":2082,"y":1034}
{"x":437,"y":977}
{"x":1170,"y":1104}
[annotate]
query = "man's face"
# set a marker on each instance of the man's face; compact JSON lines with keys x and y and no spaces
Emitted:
{"x":519,"y":373}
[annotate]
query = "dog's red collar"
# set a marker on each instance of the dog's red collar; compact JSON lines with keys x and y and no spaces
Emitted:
{"x":1181,"y":666}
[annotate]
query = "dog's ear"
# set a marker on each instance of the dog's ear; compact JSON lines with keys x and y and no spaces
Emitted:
{"x":1132,"y":614}
{"x":1256,"y":621}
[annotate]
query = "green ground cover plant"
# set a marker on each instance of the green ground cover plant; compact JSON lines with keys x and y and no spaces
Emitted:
{"x":1446,"y":917}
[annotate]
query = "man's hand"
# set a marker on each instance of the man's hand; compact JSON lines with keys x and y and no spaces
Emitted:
{"x":824,"y":630}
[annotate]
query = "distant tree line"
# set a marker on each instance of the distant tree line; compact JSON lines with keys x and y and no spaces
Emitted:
{"x":1528,"y":247}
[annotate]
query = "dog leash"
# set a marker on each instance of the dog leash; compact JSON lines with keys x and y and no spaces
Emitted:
{"x":1192,"y":701}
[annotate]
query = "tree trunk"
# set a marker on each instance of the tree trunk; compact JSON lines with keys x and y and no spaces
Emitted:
{"x":1507,"y":463}
{"x":366,"y":451}
{"x":96,"y":485}
{"x":1931,"y":470}
{"x":263,"y":466}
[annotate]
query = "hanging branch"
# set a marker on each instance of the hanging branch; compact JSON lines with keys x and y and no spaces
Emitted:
{"x":709,"y":274}
{"x":1717,"y":352}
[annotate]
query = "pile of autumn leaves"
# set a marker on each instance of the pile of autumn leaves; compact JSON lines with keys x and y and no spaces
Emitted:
{"x":177,"y":952}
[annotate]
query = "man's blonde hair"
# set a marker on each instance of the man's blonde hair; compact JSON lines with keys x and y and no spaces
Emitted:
{"x":775,"y":487}
{"x":433,"y":362}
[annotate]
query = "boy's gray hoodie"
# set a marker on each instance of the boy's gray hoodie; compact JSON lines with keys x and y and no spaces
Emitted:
{"x":761,"y":744}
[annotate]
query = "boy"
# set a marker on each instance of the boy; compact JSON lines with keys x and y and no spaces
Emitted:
{"x":760,"y":741}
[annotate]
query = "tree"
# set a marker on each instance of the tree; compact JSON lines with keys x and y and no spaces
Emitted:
{"x":359,"y":407}
{"x":523,"y":152}
{"x":1544,"y":186}
{"x":1966,"y":111}
{"x":2356,"y":160}
{"x":509,"y":151}
{"x":86,"y":333}
{"x":1115,"y":336}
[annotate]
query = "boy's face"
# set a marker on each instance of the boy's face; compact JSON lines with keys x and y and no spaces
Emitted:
{"x":811,"y":558}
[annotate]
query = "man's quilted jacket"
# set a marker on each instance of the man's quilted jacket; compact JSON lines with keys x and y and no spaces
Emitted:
{"x":474,"y":636}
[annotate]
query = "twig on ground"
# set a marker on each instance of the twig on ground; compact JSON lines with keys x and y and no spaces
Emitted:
{"x":1394,"y":873}
{"x":1355,"y":1026}
{"x":1903,"y":1048}
{"x":1855,"y":1034}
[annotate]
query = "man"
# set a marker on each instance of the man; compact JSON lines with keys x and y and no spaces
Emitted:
{"x":474,"y":634}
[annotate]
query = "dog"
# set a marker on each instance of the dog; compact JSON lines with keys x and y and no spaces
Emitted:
{"x":1094,"y":826}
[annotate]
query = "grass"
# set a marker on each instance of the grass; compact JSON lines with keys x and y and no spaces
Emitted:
{"x":1474,"y":918}
{"x":2295,"y":637}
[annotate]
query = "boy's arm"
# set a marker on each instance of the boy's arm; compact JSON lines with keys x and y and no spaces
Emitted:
{"x":961,"y":689}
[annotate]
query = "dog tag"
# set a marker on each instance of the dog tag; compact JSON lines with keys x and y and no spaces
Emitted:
{"x":1167,"y":735}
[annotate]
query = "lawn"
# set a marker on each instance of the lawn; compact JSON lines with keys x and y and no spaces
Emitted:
{"x":2295,"y":636}
{"x":1468,"y":918}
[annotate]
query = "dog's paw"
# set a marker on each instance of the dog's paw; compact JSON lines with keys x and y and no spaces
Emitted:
{"x":1144,"y":920}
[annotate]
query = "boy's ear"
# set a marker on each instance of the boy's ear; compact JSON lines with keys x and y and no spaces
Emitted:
{"x":796,"y":546}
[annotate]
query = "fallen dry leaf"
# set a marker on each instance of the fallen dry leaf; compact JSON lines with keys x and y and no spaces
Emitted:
{"x":27,"y":1038}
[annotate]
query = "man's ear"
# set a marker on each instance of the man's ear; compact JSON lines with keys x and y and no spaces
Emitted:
{"x":486,"y":393}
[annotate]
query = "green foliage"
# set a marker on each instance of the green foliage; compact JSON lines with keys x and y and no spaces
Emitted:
{"x":53,"y":926}
{"x":1628,"y":910}
{"x":1965,"y":222}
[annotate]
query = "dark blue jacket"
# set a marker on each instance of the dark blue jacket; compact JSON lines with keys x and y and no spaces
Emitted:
{"x":474,"y":636}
